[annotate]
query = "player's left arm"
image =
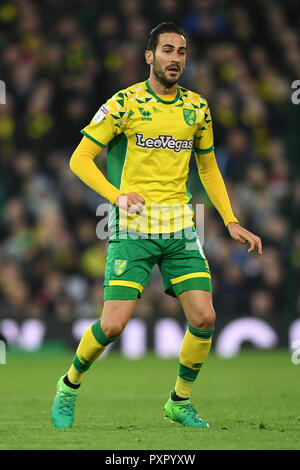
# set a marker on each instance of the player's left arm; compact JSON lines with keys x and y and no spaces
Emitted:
{"x":214,"y":185}
{"x":215,"y":188}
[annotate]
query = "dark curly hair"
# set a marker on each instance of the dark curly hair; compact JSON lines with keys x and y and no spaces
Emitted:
{"x":166,"y":27}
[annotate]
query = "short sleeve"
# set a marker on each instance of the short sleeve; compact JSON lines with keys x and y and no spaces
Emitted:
{"x":203,"y":138}
{"x":109,"y":121}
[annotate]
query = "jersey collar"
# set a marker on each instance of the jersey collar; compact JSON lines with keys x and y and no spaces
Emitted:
{"x":149,"y":89}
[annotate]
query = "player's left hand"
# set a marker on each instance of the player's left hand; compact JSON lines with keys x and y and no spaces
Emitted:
{"x":243,"y":236}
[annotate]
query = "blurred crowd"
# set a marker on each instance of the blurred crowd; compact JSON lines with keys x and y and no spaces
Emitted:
{"x":60,"y":60}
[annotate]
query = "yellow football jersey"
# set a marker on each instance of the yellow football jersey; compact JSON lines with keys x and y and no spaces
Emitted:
{"x":150,"y":141}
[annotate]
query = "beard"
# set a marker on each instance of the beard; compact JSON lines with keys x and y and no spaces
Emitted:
{"x":161,"y":76}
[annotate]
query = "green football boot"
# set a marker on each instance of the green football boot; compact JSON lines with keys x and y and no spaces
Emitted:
{"x":62,"y":413}
{"x":183,"y":412}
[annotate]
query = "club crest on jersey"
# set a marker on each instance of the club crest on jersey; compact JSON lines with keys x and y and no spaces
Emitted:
{"x":101,"y":114}
{"x":189,"y":116}
{"x":120,"y":266}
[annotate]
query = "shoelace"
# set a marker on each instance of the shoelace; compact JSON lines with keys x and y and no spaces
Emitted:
{"x":66,"y":403}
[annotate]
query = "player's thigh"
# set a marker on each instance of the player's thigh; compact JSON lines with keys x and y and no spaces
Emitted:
{"x":128,"y":268}
{"x":198,"y":308}
{"x":184,"y":267}
{"x":115,"y":316}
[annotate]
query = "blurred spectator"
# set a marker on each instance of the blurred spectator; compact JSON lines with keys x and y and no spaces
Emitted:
{"x":61,"y":61}
{"x":262,"y":304}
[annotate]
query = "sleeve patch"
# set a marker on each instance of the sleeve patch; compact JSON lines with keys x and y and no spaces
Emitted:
{"x":101,"y":114}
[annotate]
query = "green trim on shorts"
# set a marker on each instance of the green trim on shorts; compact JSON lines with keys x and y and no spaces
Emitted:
{"x":120,"y":293}
{"x":196,"y":283}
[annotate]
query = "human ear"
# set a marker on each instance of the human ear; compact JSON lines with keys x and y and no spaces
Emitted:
{"x":149,"y":57}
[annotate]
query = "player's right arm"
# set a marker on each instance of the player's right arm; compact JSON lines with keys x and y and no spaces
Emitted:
{"x":82,"y":164}
{"x":108,"y":122}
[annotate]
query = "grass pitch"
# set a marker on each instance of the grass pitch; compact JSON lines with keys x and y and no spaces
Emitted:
{"x":251,"y":402}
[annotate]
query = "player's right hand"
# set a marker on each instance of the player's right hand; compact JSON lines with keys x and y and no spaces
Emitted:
{"x":131,"y":202}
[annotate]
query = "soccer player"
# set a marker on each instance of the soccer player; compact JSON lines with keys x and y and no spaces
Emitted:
{"x":150,"y":129}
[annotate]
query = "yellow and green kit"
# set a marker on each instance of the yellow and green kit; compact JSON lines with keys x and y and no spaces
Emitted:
{"x":149,"y":142}
{"x":181,"y":262}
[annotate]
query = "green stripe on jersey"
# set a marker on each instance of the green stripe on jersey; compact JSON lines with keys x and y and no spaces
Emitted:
{"x":210,"y":149}
{"x":116,"y":157}
{"x":92,"y":138}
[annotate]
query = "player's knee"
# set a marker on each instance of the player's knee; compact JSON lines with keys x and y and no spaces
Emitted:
{"x":114,"y":318}
{"x":210,"y":321}
{"x":112,"y":329}
{"x":205,"y":319}
{"x":112,"y":326}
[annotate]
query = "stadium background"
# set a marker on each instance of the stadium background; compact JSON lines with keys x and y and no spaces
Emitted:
{"x":60,"y":60}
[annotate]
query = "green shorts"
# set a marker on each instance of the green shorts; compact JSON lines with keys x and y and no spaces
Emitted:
{"x":129,"y":264}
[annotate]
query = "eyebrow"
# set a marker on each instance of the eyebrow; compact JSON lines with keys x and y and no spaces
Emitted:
{"x":173,"y":47}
